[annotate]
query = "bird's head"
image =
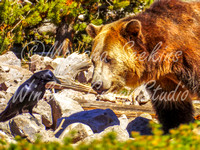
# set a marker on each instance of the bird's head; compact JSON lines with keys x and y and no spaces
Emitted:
{"x":46,"y":76}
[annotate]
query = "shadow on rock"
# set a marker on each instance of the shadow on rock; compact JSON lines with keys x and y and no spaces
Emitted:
{"x":140,"y":125}
{"x":97,"y":120}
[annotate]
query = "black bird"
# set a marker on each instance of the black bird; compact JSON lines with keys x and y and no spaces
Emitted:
{"x":28,"y":94}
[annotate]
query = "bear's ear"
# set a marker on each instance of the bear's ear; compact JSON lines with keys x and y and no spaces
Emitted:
{"x":93,"y":30}
{"x":133,"y":28}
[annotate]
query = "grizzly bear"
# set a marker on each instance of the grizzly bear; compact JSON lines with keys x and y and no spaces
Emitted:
{"x":160,"y":47}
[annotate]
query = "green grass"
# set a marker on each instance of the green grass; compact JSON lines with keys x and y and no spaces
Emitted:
{"x":183,"y":138}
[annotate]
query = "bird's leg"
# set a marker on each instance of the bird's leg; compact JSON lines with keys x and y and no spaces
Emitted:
{"x":20,"y":111}
{"x":31,"y":113}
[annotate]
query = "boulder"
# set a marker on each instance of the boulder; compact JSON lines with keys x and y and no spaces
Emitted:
{"x":44,"y":109}
{"x":47,"y":28}
{"x":85,"y":76}
{"x":4,"y":126}
{"x":146,"y":115}
{"x":38,"y":63}
{"x":140,"y":125}
{"x":123,"y":121}
{"x":76,"y":95}
{"x":81,"y":131}
{"x":26,"y":126}
{"x":72,"y":65}
{"x":7,"y":138}
{"x":121,"y":134}
{"x":10,"y":58}
{"x":141,"y":95}
{"x":13,"y":78}
{"x":62,"y":106}
{"x":30,"y":128}
{"x":97,"y":120}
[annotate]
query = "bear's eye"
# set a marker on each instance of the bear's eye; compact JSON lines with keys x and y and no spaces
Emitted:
{"x":107,"y":60}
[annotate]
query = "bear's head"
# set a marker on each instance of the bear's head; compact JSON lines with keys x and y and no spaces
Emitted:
{"x":115,"y":52}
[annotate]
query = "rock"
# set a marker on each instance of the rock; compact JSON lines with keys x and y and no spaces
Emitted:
{"x":72,"y":65}
{"x":57,"y":61}
{"x":47,"y":28}
{"x":140,"y":125}
{"x":4,"y":126}
{"x":146,"y":115}
{"x":81,"y":131}
{"x":62,"y":106}
{"x":44,"y":109}
{"x":9,"y":58}
{"x":3,"y":87}
{"x":12,"y":78}
{"x":123,"y":121}
{"x":11,"y":89}
{"x":81,"y":77}
{"x":141,"y":95}
{"x":75,"y":95}
{"x":66,"y":104}
{"x":89,"y":97}
{"x":85,"y":76}
{"x":26,"y":126}
{"x":7,"y":138}
{"x":2,"y":95}
{"x":38,"y":63}
{"x":97,"y":119}
{"x":121,"y":134}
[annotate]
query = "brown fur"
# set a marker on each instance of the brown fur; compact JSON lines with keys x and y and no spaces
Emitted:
{"x":173,"y":24}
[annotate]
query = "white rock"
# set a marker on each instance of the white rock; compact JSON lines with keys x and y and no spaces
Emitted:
{"x":47,"y":28}
{"x":38,"y":63}
{"x":141,"y":95}
{"x":146,"y":115}
{"x":7,"y":138}
{"x":123,"y":121}
{"x":72,"y":65}
{"x":62,"y":106}
{"x":44,"y":109}
{"x":67,"y":104}
{"x":10,"y":58}
{"x":121,"y":134}
{"x":82,"y":131}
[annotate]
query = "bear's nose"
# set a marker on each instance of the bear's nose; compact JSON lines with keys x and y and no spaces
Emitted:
{"x":97,"y":86}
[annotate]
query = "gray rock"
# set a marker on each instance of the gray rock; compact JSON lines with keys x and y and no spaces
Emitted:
{"x":26,"y":126}
{"x":81,"y":131}
{"x":97,"y":119}
{"x":9,"y":58}
{"x":30,"y":128}
{"x":140,"y":125}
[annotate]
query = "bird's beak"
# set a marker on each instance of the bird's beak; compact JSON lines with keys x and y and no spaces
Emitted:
{"x":56,"y":80}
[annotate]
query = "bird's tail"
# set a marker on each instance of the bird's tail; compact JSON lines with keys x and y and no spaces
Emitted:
{"x":7,"y":114}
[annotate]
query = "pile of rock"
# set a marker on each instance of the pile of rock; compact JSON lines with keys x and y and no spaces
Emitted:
{"x":58,"y":114}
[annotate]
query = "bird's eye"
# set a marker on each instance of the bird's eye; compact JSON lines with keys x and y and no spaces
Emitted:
{"x":50,"y":76}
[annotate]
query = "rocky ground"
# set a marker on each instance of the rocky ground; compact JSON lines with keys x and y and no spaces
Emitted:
{"x":74,"y":106}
